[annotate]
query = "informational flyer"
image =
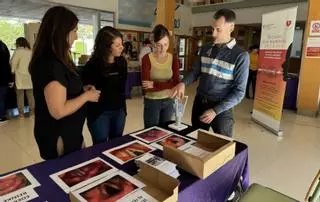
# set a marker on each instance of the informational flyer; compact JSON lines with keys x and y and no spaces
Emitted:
{"x":18,"y":186}
{"x":152,"y":134}
{"x":82,"y":174}
{"x":108,"y":189}
{"x":175,"y":141}
{"x":129,"y":151}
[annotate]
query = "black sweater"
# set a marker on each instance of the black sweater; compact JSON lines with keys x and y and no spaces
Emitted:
{"x":110,"y":79}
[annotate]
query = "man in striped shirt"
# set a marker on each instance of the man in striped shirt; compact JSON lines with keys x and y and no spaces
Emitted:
{"x":222,"y":67}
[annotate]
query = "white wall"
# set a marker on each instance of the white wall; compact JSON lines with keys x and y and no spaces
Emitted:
{"x":251,"y":15}
{"x":30,"y":32}
{"x":105,"y":5}
{"x":185,"y":15}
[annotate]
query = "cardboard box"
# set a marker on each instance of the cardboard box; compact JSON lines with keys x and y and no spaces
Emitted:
{"x":221,"y":150}
{"x":160,"y":186}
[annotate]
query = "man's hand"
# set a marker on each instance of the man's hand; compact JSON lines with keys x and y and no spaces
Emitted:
{"x":178,"y":91}
{"x":208,"y":116}
{"x":11,"y":84}
{"x":147,"y":84}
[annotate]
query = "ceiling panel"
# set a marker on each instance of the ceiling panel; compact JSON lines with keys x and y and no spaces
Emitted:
{"x":241,"y":4}
{"x":35,"y":9}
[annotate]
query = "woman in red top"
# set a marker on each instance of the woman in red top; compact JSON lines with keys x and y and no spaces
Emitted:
{"x":160,"y":72}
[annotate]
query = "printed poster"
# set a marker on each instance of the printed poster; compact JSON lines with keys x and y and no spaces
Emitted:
{"x":276,"y":37}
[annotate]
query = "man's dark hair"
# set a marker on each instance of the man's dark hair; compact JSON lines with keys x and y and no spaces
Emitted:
{"x":228,"y":14}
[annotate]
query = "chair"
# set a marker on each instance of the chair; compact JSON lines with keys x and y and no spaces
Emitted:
{"x":259,"y":193}
{"x":313,"y":194}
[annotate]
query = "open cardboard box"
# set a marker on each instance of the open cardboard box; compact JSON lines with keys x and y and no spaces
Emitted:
{"x":222,"y":150}
{"x":160,"y":186}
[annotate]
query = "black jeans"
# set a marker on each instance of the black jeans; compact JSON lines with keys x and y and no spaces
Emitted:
{"x":222,"y":124}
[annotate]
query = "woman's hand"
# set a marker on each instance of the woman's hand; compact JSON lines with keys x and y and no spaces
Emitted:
{"x":92,"y":95}
{"x":147,"y":84}
{"x":89,"y":87}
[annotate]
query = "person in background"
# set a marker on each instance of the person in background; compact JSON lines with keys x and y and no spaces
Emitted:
{"x":107,"y":71}
{"x":6,"y":80}
{"x":147,"y":48}
{"x":254,"y":57}
{"x":127,"y":50}
{"x":285,"y":65}
{"x":60,"y":96}
{"x":159,"y":73}
{"x":19,"y":67}
{"x":223,"y":70}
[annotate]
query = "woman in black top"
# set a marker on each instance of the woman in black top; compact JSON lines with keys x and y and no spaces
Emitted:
{"x":5,"y":79}
{"x":59,"y":94}
{"x":107,"y":71}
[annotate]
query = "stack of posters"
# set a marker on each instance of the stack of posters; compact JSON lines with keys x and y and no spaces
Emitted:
{"x":197,"y":151}
{"x":18,"y":187}
{"x":118,"y":186}
{"x":159,"y":163}
{"x":129,"y":151}
{"x":82,"y":174}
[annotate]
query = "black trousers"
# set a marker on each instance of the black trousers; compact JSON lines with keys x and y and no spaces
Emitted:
{"x":222,"y":124}
{"x":251,"y":79}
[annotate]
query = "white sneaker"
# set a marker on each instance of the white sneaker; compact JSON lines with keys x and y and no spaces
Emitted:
{"x":231,"y":197}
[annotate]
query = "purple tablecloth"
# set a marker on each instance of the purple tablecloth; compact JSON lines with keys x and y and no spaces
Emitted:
{"x":217,"y":187}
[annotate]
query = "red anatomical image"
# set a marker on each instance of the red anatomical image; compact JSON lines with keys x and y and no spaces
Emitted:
{"x":13,"y":183}
{"x":83,"y":173}
{"x":174,"y":141}
{"x":152,"y":135}
{"x":111,"y":190}
{"x":131,"y":151}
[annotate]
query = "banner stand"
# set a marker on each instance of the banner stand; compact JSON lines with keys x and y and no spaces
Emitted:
{"x":276,"y":132}
{"x":277,"y":33}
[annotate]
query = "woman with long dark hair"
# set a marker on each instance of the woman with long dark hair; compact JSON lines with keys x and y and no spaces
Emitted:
{"x":5,"y":79}
{"x":19,"y":66}
{"x":107,"y":71}
{"x":58,"y":90}
{"x":160,"y":73}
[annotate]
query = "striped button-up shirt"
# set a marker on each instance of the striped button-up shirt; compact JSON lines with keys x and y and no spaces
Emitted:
{"x":223,"y":73}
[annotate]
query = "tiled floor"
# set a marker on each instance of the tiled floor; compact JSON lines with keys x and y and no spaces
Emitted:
{"x":286,"y":164}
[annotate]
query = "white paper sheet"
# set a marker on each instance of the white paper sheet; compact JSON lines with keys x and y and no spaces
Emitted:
{"x":138,"y":196}
{"x":196,"y":151}
{"x":158,"y":163}
{"x":22,"y":195}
